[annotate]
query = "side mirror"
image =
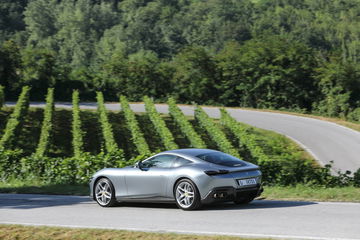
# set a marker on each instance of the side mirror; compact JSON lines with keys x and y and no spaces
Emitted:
{"x":138,"y":165}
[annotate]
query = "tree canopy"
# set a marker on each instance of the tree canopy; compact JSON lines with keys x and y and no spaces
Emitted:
{"x":302,"y":55}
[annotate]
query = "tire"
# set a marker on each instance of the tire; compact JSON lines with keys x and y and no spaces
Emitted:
{"x":104,"y":193}
{"x":187,"y":195}
{"x":244,"y":200}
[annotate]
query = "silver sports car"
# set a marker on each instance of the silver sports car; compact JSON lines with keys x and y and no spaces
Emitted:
{"x":188,"y":177}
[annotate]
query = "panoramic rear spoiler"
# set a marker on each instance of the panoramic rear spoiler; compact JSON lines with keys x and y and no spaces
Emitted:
{"x":245,"y":169}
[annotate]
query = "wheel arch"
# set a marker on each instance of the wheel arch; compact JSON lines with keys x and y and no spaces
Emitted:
{"x":181,"y":178}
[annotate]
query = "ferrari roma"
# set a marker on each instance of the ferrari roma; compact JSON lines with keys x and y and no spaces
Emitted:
{"x":189,"y":177}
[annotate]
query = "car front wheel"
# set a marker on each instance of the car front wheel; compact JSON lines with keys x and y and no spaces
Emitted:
{"x":187,"y":195}
{"x":104,"y":193}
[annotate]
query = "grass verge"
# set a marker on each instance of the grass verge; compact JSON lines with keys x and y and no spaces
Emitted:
{"x":293,"y":193}
{"x":312,"y":193}
{"x":38,"y":187}
{"x":8,"y":232}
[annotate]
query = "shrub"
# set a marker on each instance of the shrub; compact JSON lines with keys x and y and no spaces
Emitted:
{"x":354,"y":115}
{"x":245,"y":138}
{"x":132,"y":123}
{"x":216,"y":134}
{"x":70,"y":170}
{"x":46,"y":124}
{"x":10,"y":163}
{"x":357,"y":178}
{"x":185,"y":126}
{"x":110,"y":144}
{"x":14,"y":123}
{"x":77,"y":133}
{"x":159,"y":124}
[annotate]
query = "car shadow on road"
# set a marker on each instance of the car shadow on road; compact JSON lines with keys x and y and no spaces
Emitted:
{"x":257,"y":204}
{"x":29,"y":201}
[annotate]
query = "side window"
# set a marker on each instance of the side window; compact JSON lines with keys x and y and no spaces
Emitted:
{"x":181,"y":162}
{"x":161,"y":161}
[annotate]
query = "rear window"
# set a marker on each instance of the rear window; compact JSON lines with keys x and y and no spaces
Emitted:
{"x":222,"y":159}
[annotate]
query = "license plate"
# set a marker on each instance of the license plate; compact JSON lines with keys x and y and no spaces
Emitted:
{"x":246,"y":182}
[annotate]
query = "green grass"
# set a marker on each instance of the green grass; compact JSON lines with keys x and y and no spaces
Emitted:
{"x":293,"y":193}
{"x":8,"y":232}
{"x":312,"y":193}
{"x":39,"y":187}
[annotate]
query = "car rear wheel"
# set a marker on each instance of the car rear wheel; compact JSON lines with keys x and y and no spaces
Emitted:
{"x":104,"y":193}
{"x":187,"y":195}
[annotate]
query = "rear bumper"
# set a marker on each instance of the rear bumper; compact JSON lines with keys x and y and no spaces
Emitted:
{"x":225,"y":194}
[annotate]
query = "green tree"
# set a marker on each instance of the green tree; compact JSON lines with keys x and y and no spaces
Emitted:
{"x":10,"y":65}
{"x":11,"y":18}
{"x":271,"y":72}
{"x":40,"y":20}
{"x":194,"y":78}
{"x":339,"y":83}
{"x":39,"y":70}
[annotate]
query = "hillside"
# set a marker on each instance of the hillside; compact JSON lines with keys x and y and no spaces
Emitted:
{"x":67,"y":146}
{"x":299,"y":55}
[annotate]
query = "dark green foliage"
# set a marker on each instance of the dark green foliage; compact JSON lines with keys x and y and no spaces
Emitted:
{"x":357,"y":178}
{"x":159,"y":124}
{"x":61,"y":144}
{"x":194,"y":78}
{"x":14,"y":123}
{"x":10,"y":64}
{"x":110,"y":145}
{"x":28,"y":136}
{"x":136,"y":134}
{"x":45,"y":135}
{"x":355,"y":115}
{"x":2,"y":96}
{"x":69,"y":170}
{"x":185,"y":126}
{"x":11,"y":18}
{"x":271,"y":72}
{"x":245,"y":137}
{"x":10,"y":163}
{"x":39,"y":71}
{"x":339,"y":83}
{"x":298,"y":55}
{"x":215,"y":132}
{"x":152,"y":137}
{"x":77,"y":139}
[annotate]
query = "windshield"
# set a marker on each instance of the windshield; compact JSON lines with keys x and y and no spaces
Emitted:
{"x":222,"y":159}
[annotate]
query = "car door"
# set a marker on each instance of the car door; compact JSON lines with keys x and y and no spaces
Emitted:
{"x":149,"y":180}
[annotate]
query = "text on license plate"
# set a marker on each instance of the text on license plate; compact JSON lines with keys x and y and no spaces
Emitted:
{"x":245,"y":182}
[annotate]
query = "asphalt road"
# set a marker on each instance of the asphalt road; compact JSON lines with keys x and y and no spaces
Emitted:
{"x":325,"y":141}
{"x":277,"y":219}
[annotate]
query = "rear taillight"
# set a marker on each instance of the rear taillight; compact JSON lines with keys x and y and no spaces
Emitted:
{"x":216,"y":172}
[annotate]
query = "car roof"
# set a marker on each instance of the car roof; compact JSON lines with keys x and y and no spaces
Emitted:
{"x":193,"y":152}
